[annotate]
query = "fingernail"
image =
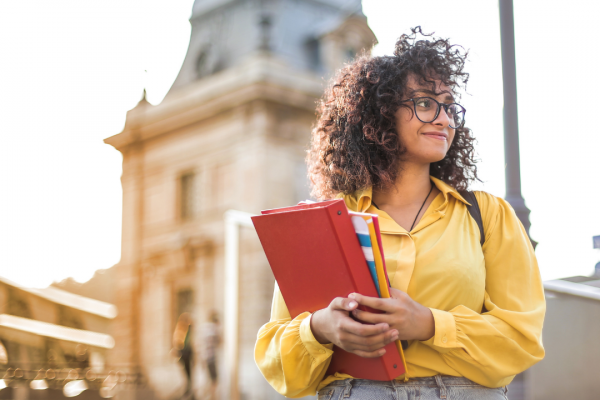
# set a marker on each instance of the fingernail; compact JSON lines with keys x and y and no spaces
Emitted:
{"x":351,"y":296}
{"x":352,"y":304}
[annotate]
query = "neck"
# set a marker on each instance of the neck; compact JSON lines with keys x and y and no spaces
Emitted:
{"x":411,"y":186}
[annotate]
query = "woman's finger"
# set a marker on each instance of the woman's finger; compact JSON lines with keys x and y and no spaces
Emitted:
{"x":356,"y":328}
{"x":369,"y":354}
{"x":370,"y":343}
{"x":342,"y":303}
{"x":396,"y":294}
{"x":373,"y":302}
{"x":371,"y":318}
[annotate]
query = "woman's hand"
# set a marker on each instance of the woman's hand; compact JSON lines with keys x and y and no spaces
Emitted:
{"x":412,"y":320}
{"x":334,"y":325}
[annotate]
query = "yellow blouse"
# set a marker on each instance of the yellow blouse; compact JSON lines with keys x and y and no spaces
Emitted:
{"x":441,"y":265}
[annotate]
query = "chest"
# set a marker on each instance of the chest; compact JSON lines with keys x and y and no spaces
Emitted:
{"x":441,"y":265}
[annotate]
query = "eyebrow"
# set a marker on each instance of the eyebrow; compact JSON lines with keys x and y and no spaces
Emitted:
{"x":448,"y":97}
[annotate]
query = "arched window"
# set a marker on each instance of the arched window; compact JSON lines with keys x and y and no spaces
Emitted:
{"x":202,"y":68}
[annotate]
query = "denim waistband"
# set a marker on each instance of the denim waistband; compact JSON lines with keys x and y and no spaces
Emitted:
{"x":434,"y":381}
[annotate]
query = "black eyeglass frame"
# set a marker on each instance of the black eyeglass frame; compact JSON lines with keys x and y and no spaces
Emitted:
{"x":437,"y":113}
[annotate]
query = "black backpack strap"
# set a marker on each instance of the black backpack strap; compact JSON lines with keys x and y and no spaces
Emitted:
{"x":474,"y":211}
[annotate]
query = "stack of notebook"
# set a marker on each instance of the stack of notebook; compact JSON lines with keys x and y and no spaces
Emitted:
{"x":366,"y":227}
{"x":320,"y":251}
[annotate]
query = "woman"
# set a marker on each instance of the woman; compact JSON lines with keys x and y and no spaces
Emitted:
{"x":391,"y":140}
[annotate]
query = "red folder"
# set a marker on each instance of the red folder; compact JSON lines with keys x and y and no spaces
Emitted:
{"x":315,"y":256}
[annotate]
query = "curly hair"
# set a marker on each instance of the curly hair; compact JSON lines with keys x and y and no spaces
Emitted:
{"x":355,"y":144}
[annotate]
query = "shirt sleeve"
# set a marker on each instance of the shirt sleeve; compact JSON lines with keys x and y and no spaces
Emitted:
{"x":506,"y":339}
{"x":287,"y":353}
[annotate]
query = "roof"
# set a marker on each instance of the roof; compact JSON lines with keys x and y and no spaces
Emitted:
{"x":589,"y":289}
{"x":56,"y":331}
{"x":226,"y":32}
{"x":58,"y":296}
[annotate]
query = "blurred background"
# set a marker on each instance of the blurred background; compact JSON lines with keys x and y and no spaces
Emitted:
{"x":129,"y":128}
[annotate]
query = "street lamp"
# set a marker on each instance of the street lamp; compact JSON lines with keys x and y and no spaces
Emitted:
{"x":511,"y":120}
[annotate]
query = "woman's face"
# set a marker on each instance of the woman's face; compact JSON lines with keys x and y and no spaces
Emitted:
{"x":424,"y":143}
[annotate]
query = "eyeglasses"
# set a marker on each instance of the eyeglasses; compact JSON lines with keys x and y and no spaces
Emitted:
{"x":428,"y":109}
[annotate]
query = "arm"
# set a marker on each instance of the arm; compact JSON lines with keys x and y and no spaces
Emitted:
{"x":294,"y":362}
{"x":506,"y":339}
{"x":288,"y":355}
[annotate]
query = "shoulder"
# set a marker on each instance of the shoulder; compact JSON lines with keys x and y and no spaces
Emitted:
{"x":495,"y":211}
{"x":487,"y":202}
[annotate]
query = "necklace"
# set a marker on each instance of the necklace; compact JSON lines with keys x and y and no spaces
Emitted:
{"x":422,"y":205}
{"x":419,"y":212}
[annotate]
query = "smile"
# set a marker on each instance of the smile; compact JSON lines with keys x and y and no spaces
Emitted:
{"x":437,"y":135}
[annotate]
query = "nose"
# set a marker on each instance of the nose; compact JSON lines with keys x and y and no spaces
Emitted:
{"x":442,"y":119}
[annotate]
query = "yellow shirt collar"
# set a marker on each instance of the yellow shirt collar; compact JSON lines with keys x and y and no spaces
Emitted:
{"x":361,"y":199}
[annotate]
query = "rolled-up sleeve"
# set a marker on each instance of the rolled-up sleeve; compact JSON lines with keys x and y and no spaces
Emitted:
{"x":287,"y":353}
{"x":492,"y":346}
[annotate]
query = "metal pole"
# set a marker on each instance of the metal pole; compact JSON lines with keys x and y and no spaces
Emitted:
{"x":511,"y":119}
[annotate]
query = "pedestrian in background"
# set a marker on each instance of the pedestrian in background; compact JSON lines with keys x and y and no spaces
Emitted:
{"x":183,"y":342}
{"x":211,"y":338}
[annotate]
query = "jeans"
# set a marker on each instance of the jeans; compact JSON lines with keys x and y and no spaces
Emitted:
{"x":435,"y":387}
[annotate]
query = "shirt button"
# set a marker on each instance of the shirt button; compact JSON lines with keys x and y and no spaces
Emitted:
{"x":444,"y":339}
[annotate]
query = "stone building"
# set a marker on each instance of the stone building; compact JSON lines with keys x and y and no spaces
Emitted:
{"x":231,"y":134}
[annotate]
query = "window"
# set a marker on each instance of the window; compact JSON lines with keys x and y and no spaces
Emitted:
{"x":16,"y":304}
{"x":202,"y":64}
{"x":185,"y":302}
{"x":313,"y":53}
{"x":188,"y":199}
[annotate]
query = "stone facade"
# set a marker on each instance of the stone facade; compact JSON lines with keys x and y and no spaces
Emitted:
{"x":230,"y":136}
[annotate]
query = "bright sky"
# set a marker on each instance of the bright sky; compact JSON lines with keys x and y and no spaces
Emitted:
{"x":70,"y":70}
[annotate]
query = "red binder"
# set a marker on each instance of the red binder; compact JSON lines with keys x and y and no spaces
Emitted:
{"x":315,"y":256}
